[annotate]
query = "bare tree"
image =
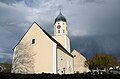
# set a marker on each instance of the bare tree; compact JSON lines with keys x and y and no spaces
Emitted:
{"x":23,"y":61}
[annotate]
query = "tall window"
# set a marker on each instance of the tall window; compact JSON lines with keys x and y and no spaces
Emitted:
{"x":58,"y":31}
{"x":61,"y":58}
{"x":33,"y":41}
{"x":63,"y":31}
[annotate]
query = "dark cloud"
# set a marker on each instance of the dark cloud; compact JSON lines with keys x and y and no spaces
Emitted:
{"x":92,"y":27}
{"x":91,"y":45}
{"x":93,"y":1}
{"x":107,"y":21}
{"x":86,"y":1}
{"x":8,"y":2}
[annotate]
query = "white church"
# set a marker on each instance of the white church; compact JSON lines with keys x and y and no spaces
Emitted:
{"x":38,"y":52}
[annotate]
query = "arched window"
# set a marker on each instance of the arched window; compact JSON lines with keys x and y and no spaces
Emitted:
{"x":33,"y":41}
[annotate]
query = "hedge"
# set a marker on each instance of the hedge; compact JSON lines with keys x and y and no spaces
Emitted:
{"x":57,"y":76}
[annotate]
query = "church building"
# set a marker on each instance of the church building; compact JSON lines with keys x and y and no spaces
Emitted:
{"x":39,"y":52}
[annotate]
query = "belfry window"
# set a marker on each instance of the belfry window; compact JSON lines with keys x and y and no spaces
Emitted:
{"x":33,"y":41}
{"x":63,"y":31}
{"x":58,"y":31}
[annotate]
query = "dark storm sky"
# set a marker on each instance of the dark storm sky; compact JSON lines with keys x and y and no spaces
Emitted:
{"x":94,"y":25}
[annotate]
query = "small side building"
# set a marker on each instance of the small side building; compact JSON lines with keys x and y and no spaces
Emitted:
{"x":79,"y":62}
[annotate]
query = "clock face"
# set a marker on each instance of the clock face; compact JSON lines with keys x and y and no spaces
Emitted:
{"x":58,"y":26}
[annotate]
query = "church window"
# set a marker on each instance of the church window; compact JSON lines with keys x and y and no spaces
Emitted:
{"x":33,"y":41}
{"x":63,"y":31}
{"x":61,"y":58}
{"x":58,"y":31}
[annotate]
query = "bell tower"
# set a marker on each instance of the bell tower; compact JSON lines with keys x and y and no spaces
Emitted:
{"x":61,"y":31}
{"x":60,"y":25}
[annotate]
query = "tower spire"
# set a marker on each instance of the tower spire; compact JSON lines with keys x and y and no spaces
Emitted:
{"x":60,"y":11}
{"x":61,"y":32}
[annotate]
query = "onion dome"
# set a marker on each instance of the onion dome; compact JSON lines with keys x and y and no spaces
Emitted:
{"x":60,"y":17}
